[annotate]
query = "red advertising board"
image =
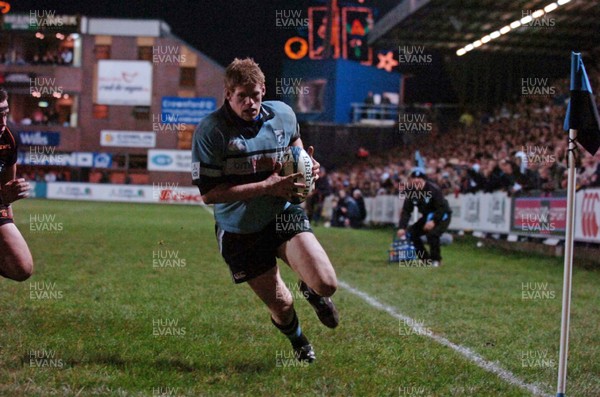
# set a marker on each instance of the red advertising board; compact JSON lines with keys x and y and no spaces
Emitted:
{"x":587,"y":220}
{"x":539,"y":216}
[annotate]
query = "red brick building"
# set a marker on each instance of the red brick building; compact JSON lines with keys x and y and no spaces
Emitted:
{"x":82,"y":87}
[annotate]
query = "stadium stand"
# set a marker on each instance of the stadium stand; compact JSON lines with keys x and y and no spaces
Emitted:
{"x":519,"y":147}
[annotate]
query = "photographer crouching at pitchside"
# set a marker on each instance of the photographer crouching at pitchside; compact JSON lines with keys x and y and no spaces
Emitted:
{"x":435,"y":216}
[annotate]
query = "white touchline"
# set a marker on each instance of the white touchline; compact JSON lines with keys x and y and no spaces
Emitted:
{"x":465,"y":351}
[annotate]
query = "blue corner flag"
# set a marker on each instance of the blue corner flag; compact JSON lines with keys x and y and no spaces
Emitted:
{"x":582,"y":113}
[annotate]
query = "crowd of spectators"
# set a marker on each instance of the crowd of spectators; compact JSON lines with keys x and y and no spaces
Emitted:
{"x":62,"y":56}
{"x":518,"y":148}
{"x":42,"y":175}
{"x":40,"y":116}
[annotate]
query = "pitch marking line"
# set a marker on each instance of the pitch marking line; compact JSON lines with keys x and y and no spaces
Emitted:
{"x":207,"y":208}
{"x":464,"y":351}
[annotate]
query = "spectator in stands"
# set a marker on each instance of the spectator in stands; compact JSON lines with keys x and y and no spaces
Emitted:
{"x":362,"y":209}
{"x":362,"y":153}
{"x":314,"y":202}
{"x":507,"y":177}
{"x":66,"y":56}
{"x":472,"y":180}
{"x":50,"y":177}
{"x":547,"y":180}
{"x":38,"y":117}
{"x":443,"y":181}
{"x":105,"y":178}
{"x":386,"y":110}
{"x":466,"y":119}
{"x":588,"y":172}
{"x":369,"y":104}
{"x":346,"y":213}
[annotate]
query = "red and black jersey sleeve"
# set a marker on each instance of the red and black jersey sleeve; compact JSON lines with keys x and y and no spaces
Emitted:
{"x":8,"y":149}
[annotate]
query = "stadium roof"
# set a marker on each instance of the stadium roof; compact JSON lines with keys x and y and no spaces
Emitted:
{"x":453,"y":24}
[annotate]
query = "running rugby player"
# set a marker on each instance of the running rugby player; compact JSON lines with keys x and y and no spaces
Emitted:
{"x":15,"y":259}
{"x":234,"y":154}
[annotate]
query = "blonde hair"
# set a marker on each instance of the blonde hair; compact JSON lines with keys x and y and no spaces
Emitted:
{"x":242,"y":72}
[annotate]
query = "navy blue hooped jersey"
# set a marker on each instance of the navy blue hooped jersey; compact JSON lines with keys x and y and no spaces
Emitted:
{"x":224,"y":150}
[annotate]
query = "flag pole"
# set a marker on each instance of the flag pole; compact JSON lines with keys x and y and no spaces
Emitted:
{"x":568,"y":268}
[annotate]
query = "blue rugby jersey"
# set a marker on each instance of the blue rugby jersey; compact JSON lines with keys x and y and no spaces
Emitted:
{"x":226,"y":149}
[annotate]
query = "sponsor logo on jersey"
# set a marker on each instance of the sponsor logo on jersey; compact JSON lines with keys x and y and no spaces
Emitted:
{"x":196,"y":170}
{"x":239,"y":275}
{"x":280,"y":137}
{"x":236,"y":145}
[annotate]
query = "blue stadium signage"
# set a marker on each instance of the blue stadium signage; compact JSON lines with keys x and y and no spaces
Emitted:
{"x":39,"y":138}
{"x":177,"y":110}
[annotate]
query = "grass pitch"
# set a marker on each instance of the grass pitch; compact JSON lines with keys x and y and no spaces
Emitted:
{"x":135,"y":300}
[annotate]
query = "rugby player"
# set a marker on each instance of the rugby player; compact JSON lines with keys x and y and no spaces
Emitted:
{"x":15,"y":259}
{"x":234,"y":154}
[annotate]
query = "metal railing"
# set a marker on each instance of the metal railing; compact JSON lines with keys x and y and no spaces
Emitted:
{"x":363,"y":111}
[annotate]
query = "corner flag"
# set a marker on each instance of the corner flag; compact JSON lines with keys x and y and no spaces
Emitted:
{"x":582,"y":113}
{"x":583,"y":124}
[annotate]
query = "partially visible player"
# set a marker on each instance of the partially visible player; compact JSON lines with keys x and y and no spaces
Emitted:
{"x":435,"y":215}
{"x":234,"y":153}
{"x":15,"y":259}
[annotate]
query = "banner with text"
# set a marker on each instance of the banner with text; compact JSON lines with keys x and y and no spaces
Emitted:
{"x":128,"y":139}
{"x":39,"y":138}
{"x":45,"y":156}
{"x":124,"y":83}
{"x":163,"y":193}
{"x":170,"y":160}
{"x":186,"y":110}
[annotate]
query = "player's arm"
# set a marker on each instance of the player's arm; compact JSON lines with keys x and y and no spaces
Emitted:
{"x":274,"y":185}
{"x":8,"y":174}
{"x":11,"y":188}
{"x":208,"y":148}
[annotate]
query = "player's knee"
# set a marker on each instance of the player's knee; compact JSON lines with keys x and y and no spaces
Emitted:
{"x":16,"y":268}
{"x":326,"y":288}
{"x":24,"y":271}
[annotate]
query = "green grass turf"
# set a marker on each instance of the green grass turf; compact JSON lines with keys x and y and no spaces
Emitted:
{"x":92,"y":333}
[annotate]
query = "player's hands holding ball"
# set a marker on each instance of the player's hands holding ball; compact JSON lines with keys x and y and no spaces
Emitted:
{"x":14,"y":190}
{"x":296,"y":175}
{"x":283,"y":186}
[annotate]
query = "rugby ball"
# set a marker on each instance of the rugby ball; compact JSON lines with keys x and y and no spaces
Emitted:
{"x":294,"y":160}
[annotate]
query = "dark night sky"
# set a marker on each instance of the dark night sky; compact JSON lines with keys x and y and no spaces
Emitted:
{"x":222,"y":29}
